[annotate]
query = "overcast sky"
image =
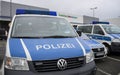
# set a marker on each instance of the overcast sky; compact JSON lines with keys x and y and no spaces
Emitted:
{"x":105,"y":8}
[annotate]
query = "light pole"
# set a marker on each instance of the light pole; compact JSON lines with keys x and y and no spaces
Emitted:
{"x":93,"y":9}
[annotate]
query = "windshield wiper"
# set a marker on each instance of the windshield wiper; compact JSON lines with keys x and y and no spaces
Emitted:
{"x":25,"y":37}
{"x":54,"y":36}
{"x":58,"y":36}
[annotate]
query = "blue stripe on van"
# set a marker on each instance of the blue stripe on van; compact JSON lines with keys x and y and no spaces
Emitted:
{"x":16,"y":48}
{"x":99,"y":37}
{"x":116,"y":36}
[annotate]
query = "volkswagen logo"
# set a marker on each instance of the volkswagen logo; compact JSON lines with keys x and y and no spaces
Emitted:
{"x":62,"y":64}
{"x":99,"y":49}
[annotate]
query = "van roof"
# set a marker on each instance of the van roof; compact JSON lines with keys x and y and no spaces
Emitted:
{"x":92,"y":24}
{"x":37,"y":15}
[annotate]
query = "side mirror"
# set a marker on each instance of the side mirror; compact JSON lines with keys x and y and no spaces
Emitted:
{"x":79,"y":33}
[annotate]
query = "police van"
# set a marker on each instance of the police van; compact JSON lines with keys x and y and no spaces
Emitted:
{"x":98,"y":49}
{"x":105,"y":33}
{"x":45,"y":45}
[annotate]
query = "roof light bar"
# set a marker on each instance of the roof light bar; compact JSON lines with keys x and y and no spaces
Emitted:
{"x":100,"y":22}
{"x":24,"y":11}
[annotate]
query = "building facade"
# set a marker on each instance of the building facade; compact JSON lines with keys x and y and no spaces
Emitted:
{"x":89,"y":19}
{"x":77,"y":20}
{"x":115,"y":21}
{"x":8,"y":10}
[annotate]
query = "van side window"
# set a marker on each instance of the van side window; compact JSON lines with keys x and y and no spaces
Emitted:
{"x":85,"y":29}
{"x":98,"y":30}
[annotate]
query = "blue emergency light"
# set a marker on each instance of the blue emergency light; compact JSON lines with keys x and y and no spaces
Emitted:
{"x":24,"y":11}
{"x":100,"y":22}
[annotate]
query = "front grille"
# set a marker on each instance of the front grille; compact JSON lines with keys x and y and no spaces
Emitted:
{"x":51,"y":65}
{"x":98,"y":49}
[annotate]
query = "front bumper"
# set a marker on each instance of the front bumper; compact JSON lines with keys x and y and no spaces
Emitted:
{"x":99,"y":53}
{"x":115,"y":46}
{"x":87,"y":69}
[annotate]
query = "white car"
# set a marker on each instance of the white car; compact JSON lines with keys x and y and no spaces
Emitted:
{"x":98,"y":48}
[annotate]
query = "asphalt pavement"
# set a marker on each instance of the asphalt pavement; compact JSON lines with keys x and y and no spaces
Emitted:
{"x":109,"y":66}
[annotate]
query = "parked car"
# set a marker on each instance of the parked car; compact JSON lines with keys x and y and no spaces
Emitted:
{"x":99,"y":49}
{"x":104,"y":33}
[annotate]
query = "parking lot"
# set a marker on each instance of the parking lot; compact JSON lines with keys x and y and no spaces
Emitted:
{"x":108,"y":66}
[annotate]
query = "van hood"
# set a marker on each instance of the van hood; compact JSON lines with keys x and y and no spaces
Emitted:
{"x":116,"y":36}
{"x":47,"y":48}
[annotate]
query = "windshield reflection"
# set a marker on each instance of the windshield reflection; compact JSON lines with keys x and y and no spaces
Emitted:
{"x":112,"y":29}
{"x":38,"y":26}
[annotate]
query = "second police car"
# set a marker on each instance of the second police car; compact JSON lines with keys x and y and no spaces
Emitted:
{"x":45,"y":45}
{"x":105,"y":33}
{"x":99,"y":49}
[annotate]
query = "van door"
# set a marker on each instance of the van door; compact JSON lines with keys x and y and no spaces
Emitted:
{"x":98,"y":33}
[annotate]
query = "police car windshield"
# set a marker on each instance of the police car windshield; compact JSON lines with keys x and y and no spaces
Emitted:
{"x":112,"y":29}
{"x":41,"y":26}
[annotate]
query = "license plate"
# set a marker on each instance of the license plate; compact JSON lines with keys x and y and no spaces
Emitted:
{"x":99,"y":54}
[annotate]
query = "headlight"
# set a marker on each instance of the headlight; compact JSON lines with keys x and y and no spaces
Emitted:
{"x":89,"y":57}
{"x":116,"y":40}
{"x":16,"y":64}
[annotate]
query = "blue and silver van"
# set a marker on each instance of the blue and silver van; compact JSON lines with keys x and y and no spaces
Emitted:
{"x":46,"y":45}
{"x":105,"y":33}
{"x":98,"y":49}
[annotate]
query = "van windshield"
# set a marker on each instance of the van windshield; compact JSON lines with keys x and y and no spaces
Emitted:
{"x":41,"y":27}
{"x":111,"y":29}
